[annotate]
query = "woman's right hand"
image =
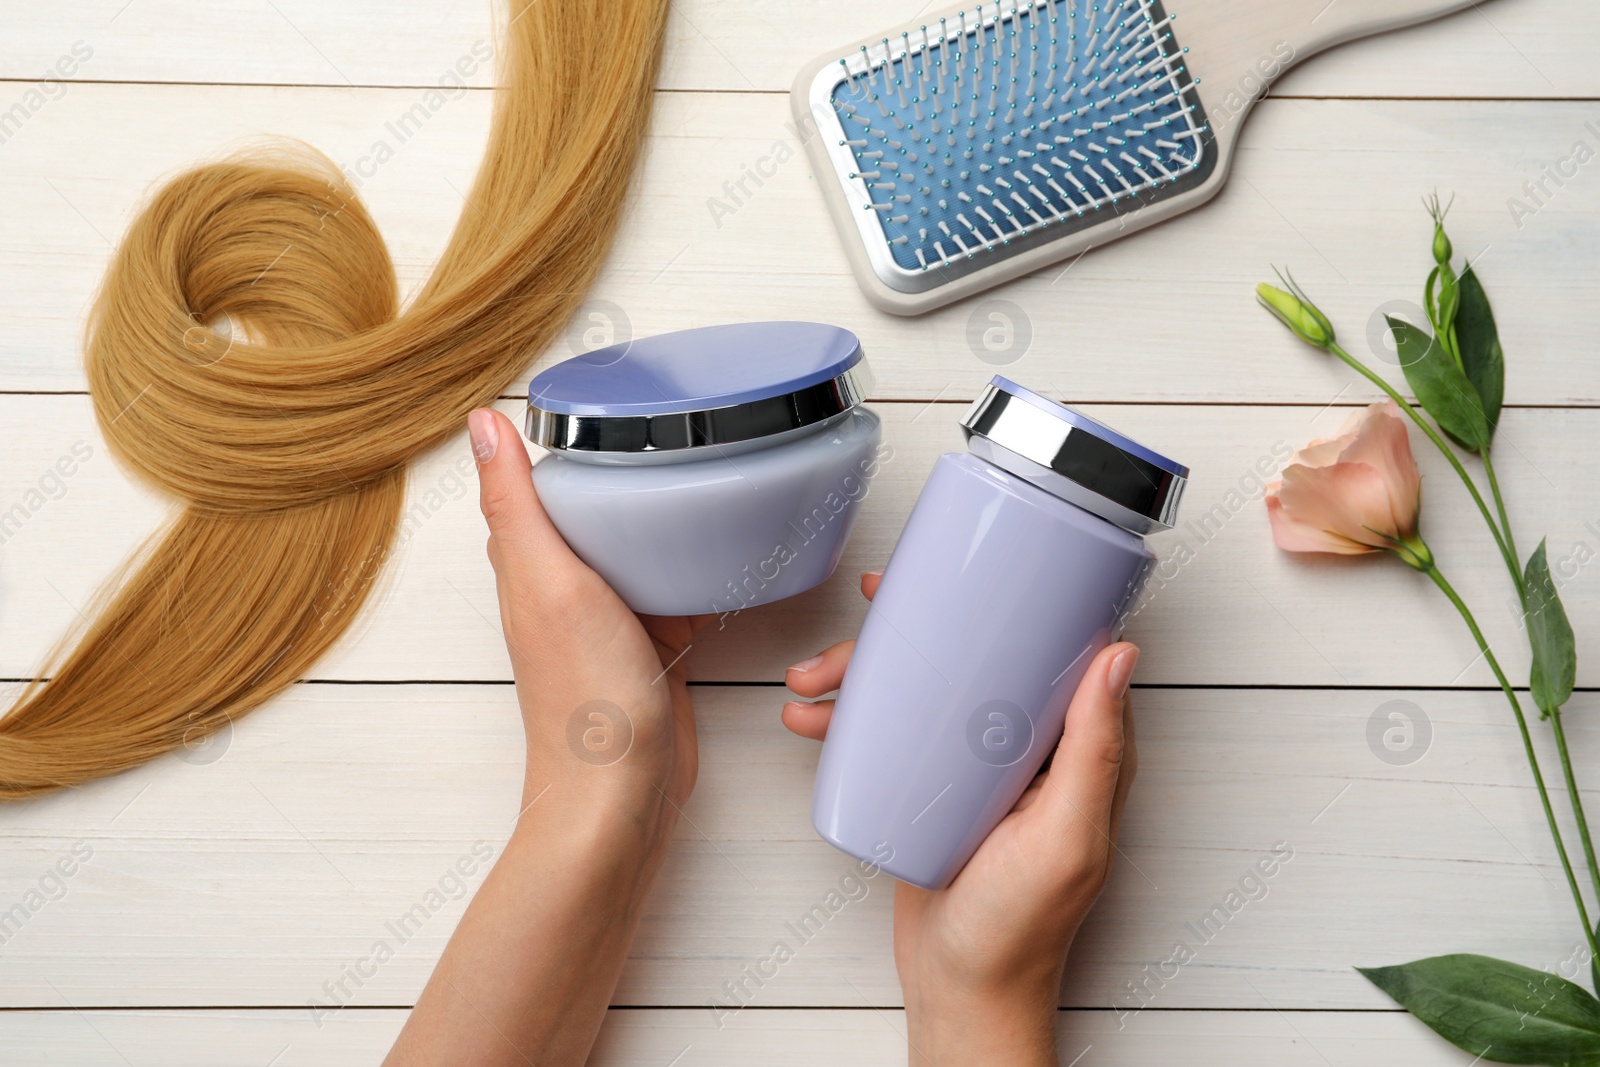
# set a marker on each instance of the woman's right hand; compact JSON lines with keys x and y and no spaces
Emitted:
{"x":980,"y":962}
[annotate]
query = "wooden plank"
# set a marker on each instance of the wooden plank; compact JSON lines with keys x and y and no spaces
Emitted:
{"x":1329,"y":188}
{"x":778,"y":1038}
{"x":1510,"y":48}
{"x":1224,"y":608}
{"x":256,"y":878}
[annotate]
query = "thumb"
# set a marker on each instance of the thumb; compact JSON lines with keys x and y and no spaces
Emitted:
{"x":1088,"y":763}
{"x":519,"y":529}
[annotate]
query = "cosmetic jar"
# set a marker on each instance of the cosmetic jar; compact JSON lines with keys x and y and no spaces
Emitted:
{"x":708,"y":470}
{"x":1017,"y":565}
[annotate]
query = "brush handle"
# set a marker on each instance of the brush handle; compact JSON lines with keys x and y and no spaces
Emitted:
{"x":1313,"y":25}
{"x":1237,"y":48}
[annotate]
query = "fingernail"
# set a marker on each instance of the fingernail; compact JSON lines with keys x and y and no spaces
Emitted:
{"x":806,"y":664}
{"x":485,"y":434}
{"x":1120,"y":674}
{"x":873,"y":574}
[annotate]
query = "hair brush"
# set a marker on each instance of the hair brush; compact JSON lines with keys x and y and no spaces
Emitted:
{"x":980,"y":144}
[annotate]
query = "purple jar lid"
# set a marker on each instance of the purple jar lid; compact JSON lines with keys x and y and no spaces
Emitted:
{"x":693,"y":388}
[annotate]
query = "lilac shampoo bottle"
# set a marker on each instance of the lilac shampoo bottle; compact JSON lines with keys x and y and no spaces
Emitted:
{"x":1018,"y":564}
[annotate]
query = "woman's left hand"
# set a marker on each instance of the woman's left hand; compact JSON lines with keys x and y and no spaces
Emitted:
{"x":603,"y":691}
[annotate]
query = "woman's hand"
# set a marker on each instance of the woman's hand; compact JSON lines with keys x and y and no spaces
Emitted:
{"x":980,"y":962}
{"x":528,"y":973}
{"x":602,"y":690}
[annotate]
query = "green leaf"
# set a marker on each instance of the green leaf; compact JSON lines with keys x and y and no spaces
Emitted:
{"x":1594,"y":969}
{"x":1441,"y":387}
{"x":1478,"y":342}
{"x":1503,"y":1012}
{"x":1555,"y":659}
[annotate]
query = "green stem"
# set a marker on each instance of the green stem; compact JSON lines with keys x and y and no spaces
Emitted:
{"x":1527,"y":744}
{"x":1555,"y":716}
{"x":1444,"y":449}
{"x":1505,"y":525}
{"x":1577,"y":801}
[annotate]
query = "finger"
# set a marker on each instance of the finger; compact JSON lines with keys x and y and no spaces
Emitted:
{"x":821,"y":673}
{"x":1029,"y":795}
{"x":1088,"y":762}
{"x":519,"y":529}
{"x":671,"y":636}
{"x":870,"y":580}
{"x":808,"y":720}
{"x":1130,"y":766}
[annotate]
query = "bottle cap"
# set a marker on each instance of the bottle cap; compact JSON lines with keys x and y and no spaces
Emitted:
{"x":1070,"y":455}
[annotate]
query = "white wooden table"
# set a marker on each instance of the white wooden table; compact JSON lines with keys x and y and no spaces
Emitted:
{"x":226,"y":894}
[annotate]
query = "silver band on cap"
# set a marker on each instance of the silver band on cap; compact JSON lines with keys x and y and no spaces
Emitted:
{"x":1072,"y":462}
{"x":699,"y":429}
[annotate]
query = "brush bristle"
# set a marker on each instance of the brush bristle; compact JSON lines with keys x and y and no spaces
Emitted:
{"x":1006,"y":120}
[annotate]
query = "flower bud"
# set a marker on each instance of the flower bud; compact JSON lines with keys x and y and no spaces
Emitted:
{"x":1301,"y":316}
{"x":1442,"y":251}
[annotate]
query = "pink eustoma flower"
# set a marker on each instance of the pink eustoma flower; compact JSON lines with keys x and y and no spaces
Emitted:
{"x":1355,"y":493}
